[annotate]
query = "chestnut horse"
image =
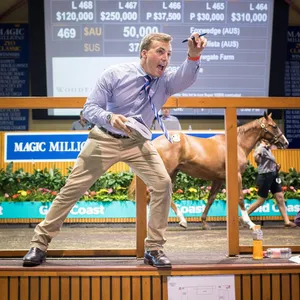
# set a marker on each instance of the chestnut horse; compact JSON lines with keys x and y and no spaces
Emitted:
{"x":205,"y":158}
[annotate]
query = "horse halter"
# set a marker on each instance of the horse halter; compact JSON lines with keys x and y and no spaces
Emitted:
{"x":275,"y":138}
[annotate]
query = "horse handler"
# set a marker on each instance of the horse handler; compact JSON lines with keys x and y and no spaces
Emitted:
{"x":123,"y":91}
{"x":297,"y":219}
{"x":268,"y":180}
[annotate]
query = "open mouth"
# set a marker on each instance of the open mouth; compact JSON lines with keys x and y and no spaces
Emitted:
{"x":161,"y":67}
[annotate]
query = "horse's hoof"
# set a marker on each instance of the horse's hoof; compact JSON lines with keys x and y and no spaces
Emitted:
{"x":290,"y":225}
{"x":205,"y":227}
{"x":183,"y":223}
{"x":242,"y":223}
{"x":248,"y":225}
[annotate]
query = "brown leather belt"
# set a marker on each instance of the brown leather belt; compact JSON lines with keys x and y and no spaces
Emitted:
{"x":115,"y":135}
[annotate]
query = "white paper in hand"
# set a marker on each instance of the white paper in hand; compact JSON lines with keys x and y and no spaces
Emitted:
{"x":137,"y":124}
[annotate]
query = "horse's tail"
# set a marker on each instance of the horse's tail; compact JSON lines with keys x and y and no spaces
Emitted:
{"x":131,"y":189}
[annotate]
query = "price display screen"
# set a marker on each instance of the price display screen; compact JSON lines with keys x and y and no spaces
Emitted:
{"x":83,"y":38}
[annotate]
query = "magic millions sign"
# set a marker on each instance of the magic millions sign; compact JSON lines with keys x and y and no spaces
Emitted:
{"x":55,"y":146}
{"x":46,"y":146}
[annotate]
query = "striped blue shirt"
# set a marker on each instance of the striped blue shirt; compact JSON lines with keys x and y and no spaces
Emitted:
{"x":118,"y":91}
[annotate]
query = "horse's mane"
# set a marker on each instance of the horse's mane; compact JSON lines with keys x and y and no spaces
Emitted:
{"x":248,"y":126}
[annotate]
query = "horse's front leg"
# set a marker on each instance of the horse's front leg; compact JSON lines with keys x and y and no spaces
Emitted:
{"x":211,"y":197}
{"x":245,"y":217}
{"x":177,"y":211}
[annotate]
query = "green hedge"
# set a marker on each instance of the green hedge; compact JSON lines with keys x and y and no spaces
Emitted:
{"x":43,"y":185}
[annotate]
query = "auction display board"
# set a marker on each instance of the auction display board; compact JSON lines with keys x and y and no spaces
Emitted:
{"x":292,"y":87}
{"x":83,"y":38}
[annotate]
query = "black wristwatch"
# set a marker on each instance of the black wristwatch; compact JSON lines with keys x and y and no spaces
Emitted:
{"x":109,"y":117}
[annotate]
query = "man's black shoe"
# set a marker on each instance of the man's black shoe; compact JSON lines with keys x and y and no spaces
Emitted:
{"x":34,"y":257}
{"x":157,"y":258}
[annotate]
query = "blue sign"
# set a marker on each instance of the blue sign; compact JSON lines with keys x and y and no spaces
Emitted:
{"x":195,"y":208}
{"x":127,"y":209}
{"x":82,"y":209}
{"x":292,"y":87}
{"x":53,"y":146}
{"x":14,"y":74}
{"x":22,"y":147}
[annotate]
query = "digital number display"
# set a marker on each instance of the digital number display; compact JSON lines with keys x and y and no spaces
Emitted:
{"x":83,"y":38}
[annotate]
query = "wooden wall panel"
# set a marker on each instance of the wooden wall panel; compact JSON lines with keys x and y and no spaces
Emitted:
{"x":238,"y":287}
{"x":85,"y":288}
{"x":62,"y":166}
{"x":246,"y":287}
{"x":24,"y":288}
{"x":105,"y":288}
{"x":285,"y":286}
{"x":260,"y":284}
{"x":266,"y":286}
{"x":156,"y":288}
{"x":55,"y":287}
{"x":126,"y":288}
{"x":75,"y":288}
{"x":295,"y":286}
{"x":288,"y":158}
{"x":116,"y":287}
{"x":132,"y":220}
{"x":146,"y":288}
{"x":256,"y":287}
{"x":4,"y":288}
{"x":35,"y":289}
{"x":276,"y":293}
{"x":45,"y":287}
{"x":14,"y":288}
{"x":65,"y":288}
{"x":136,"y":288}
{"x":165,"y":288}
